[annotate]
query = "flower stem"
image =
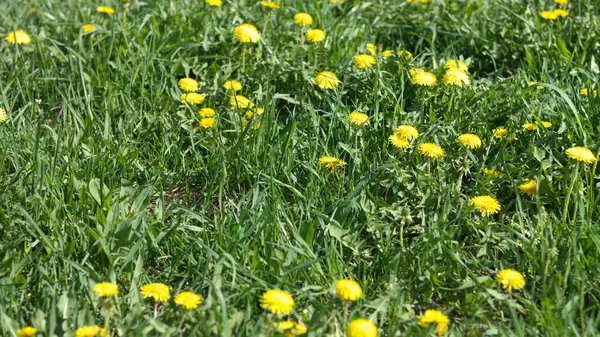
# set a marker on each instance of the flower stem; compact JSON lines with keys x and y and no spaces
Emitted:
{"x":155,"y":310}
{"x":574,"y":175}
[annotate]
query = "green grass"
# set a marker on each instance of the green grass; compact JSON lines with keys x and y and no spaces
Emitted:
{"x":106,"y":179}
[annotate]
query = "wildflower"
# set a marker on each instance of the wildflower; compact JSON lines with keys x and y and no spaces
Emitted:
{"x":159,"y":292}
{"x":431,"y":150}
{"x":17,"y":37}
{"x":192,"y":98}
{"x":546,"y":124}
{"x":399,"y":142}
{"x":419,"y":1}
{"x":405,"y":52}
{"x":348,"y":290}
{"x":290,"y":328}
{"x":206,"y":123}
{"x":206,"y":113}
{"x":240,"y":102}
{"x":407,"y":132}
{"x":188,"y":84}
{"x":387,"y":53}
{"x":530,"y":126}
{"x":489,"y":172}
{"x":105,"y":10}
{"x":456,"y":64}
{"x":364,"y":61}
{"x":470,"y":141}
{"x":499,"y":133}
{"x":89,"y":331}
{"x":435,"y":316}
{"x":255,"y":124}
{"x":214,"y":3}
{"x":331,"y":162}
{"x":358,"y":118}
{"x":188,"y":300}
{"x":561,"y":12}
{"x":303,"y":19}
{"x":485,"y":204}
{"x":371,"y":48}
{"x":580,"y":154}
{"x":455,"y":76}
{"x":251,"y":112}
{"x":270,"y":4}
{"x":106,"y":289}
{"x":510,"y":279}
{"x":233,"y":85}
{"x":585,"y":91}
{"x":561,"y":2}
{"x":277,"y":302}
{"x":529,"y":187}
{"x":327,"y":80}
{"x":26,"y":332}
{"x":548,"y":15}
{"x":361,"y":327}
{"x":31,"y":10}
{"x":315,"y":35}
{"x":246,"y":33}
{"x":3,"y":116}
{"x":88,"y":28}
{"x":421,"y":77}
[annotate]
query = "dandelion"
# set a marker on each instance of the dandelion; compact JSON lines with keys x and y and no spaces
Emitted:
{"x":529,"y":187}
{"x":585,"y":91}
{"x":387,"y":53}
{"x":407,"y":132}
{"x":106,"y":289}
{"x":246,"y":33}
{"x":303,"y":19}
{"x":510,"y":280}
{"x":214,"y":3}
{"x":327,"y":80}
{"x":371,"y":48}
{"x":499,"y":133}
{"x":17,"y":37}
{"x":580,"y":154}
{"x":419,"y":1}
{"x":88,"y":28}
{"x":435,"y":316}
{"x":424,"y":78}
{"x":315,"y":35}
{"x":399,"y":142}
{"x":89,"y":331}
{"x":546,"y":124}
{"x":456,"y":64}
{"x":530,"y":126}
{"x":348,"y":290}
{"x":361,"y":327}
{"x":364,"y":61}
{"x":284,"y":326}
{"x":240,"y":102}
{"x":470,"y":141}
{"x":431,"y":150}
{"x":206,"y":123}
{"x":26,"y":332}
{"x":277,"y":302}
{"x":105,"y":10}
{"x":561,"y":2}
{"x":405,"y":52}
{"x":548,"y":15}
{"x":270,"y":4}
{"x":485,"y":204}
{"x":489,"y":172}
{"x":358,"y":118}
{"x":3,"y":116}
{"x":251,"y":112}
{"x":297,"y":330}
{"x":456,"y":77}
{"x":159,"y":292}
{"x":331,"y":162}
{"x":233,"y":85}
{"x":192,"y":98}
{"x":188,"y":84}
{"x":206,"y":113}
{"x":188,"y":300}
{"x":255,"y":124}
{"x":561,"y":12}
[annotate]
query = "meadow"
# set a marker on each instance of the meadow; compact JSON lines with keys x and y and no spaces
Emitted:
{"x":299,"y":167}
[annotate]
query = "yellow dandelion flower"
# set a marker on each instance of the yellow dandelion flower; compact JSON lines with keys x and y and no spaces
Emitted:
{"x":432,"y":316}
{"x":26,"y":332}
{"x":214,"y":3}
{"x":457,"y":77}
{"x":358,"y":118}
{"x":499,"y":133}
{"x":255,"y":124}
{"x":3,"y":116}
{"x":581,"y":154}
{"x":188,"y":300}
{"x":192,"y":98}
{"x":206,"y":123}
{"x":387,"y":53}
{"x":585,"y":92}
{"x":364,"y":61}
{"x":233,"y":85}
{"x":277,"y":302}
{"x":31,"y":10}
{"x":251,"y":112}
{"x":546,"y":124}
{"x":510,"y":280}
{"x":331,"y":162}
{"x":206,"y":113}
{"x":159,"y":292}
{"x":290,"y":328}
{"x":371,"y":48}
{"x":89,"y":331}
{"x":561,"y":2}
{"x":297,"y":330}
{"x":106,"y":289}
{"x":407,"y":132}
{"x":561,"y":12}
{"x":246,"y":33}
{"x":240,"y":102}
{"x":399,"y":142}
{"x":284,"y":326}
{"x":188,"y":84}
{"x":17,"y":37}
{"x":303,"y":19}
{"x":348,"y":290}
{"x":405,"y":52}
{"x":548,"y":15}
{"x":327,"y":80}
{"x":315,"y":35}
{"x":470,"y":141}
{"x":88,"y":28}
{"x":361,"y":327}
{"x":529,"y":187}
{"x":485,"y":204}
{"x":431,"y":150}
{"x":424,"y":78}
{"x":270,"y":4}
{"x":530,"y":126}
{"x":105,"y":10}
{"x":539,"y":87}
{"x":456,"y":64}
{"x":489,"y":172}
